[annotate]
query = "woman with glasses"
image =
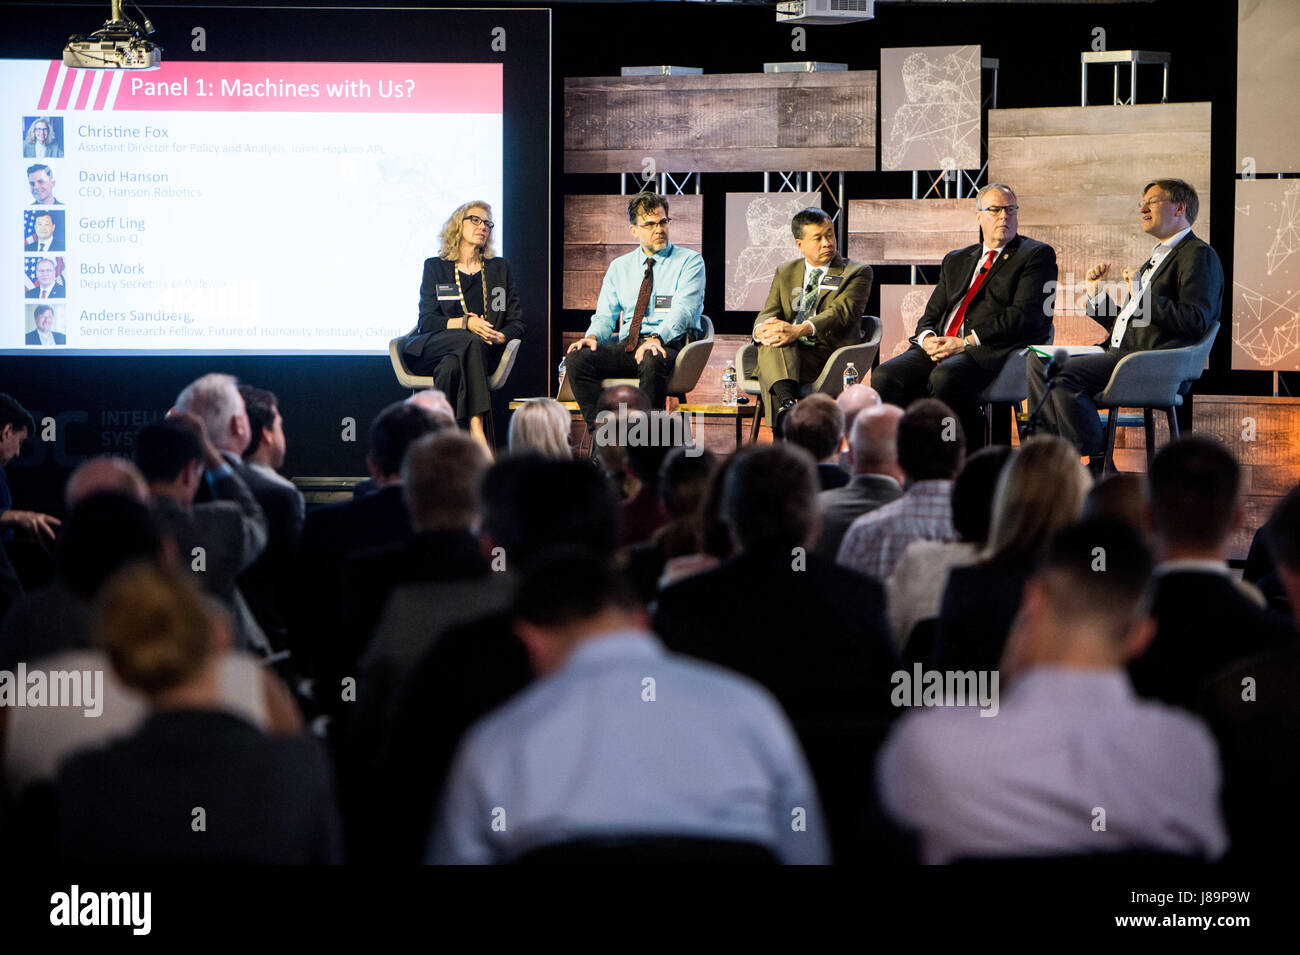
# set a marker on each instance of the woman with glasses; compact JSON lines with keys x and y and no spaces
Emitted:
{"x":468,"y":312}
{"x":40,"y":140}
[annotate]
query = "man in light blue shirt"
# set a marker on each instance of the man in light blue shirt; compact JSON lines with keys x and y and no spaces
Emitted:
{"x":658,"y":292}
{"x":619,"y":738}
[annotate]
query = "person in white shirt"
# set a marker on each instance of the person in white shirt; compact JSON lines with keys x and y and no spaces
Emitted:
{"x":1069,"y":761}
{"x":619,"y":738}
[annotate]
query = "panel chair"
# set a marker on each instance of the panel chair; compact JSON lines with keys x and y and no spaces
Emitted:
{"x":1009,"y":387}
{"x":1154,"y":380}
{"x":496,"y":380}
{"x":687,"y":369}
{"x":829,"y":382}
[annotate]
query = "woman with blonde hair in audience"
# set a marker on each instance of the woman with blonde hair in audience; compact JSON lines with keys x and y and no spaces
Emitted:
{"x":541,"y":425}
{"x":197,"y":782}
{"x":1041,"y":490}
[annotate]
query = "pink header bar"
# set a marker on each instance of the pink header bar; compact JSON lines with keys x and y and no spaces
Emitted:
{"x":308,"y":87}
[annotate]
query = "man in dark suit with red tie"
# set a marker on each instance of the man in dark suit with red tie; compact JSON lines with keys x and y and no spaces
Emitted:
{"x":1172,"y":300}
{"x":992,"y":298}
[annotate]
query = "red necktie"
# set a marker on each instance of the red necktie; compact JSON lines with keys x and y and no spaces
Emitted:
{"x":42,"y":293}
{"x":955,"y":325}
{"x":642,"y":301}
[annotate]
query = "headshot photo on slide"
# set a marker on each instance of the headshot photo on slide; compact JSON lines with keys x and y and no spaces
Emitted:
{"x":43,"y":231}
{"x":42,"y":137}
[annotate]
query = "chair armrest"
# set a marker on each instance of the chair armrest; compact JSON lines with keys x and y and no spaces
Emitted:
{"x":505,"y":365}
{"x":1153,"y":378}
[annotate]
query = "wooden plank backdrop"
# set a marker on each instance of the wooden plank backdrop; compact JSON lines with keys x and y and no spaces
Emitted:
{"x":1078,"y":173}
{"x":721,"y":122}
{"x":909,"y":231}
{"x":596,"y":233}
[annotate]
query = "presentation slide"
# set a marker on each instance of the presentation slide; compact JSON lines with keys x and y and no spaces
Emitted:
{"x":269,"y":208}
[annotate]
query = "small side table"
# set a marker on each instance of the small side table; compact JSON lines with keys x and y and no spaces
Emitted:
{"x":738,"y":412}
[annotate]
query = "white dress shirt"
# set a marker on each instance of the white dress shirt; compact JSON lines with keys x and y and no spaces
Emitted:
{"x":583,"y":753}
{"x":947,"y":319}
{"x":1066,"y":742}
{"x":1158,"y":257}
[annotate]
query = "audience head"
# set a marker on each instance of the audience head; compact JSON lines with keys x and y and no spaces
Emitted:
{"x":769,"y":499}
{"x":541,"y":425}
{"x":392,"y":432}
{"x":1040,"y":490}
{"x":645,"y":458}
{"x":441,"y":474}
{"x":106,"y":472}
{"x":973,"y":490}
{"x":715,"y":536}
{"x":162,"y":637}
{"x":873,"y":444}
{"x":434,"y":400}
{"x":16,"y":426}
{"x":532,"y":504}
{"x":216,"y":400}
{"x":931,"y":442}
{"x":266,"y":444}
{"x":1086,"y":605}
{"x":684,"y":481}
{"x":170,"y":456}
{"x":1123,"y":496}
{"x":1194,"y":488}
{"x":1283,"y":539}
{"x":620,"y":399}
{"x":552,"y":615}
{"x":816,"y":424}
{"x":854,"y":399}
{"x":103,"y":533}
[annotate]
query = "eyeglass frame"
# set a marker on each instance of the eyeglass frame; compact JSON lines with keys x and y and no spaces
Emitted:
{"x":996,"y":211}
{"x":657,"y":222}
{"x":479,"y":220}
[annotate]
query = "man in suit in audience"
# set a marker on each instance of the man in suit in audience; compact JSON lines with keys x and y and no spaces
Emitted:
{"x":658,"y":290}
{"x":1172,"y":300}
{"x":267,"y":583}
{"x":992,"y":298}
{"x":813,"y":307}
{"x":1205,"y":621}
{"x":1069,"y":739}
{"x":466,"y":668}
{"x":332,"y":533}
{"x":816,"y":424}
{"x":217,"y":539}
{"x":931,"y":449}
{"x":576,"y":757}
{"x":1254,"y":710}
{"x":877,"y":477}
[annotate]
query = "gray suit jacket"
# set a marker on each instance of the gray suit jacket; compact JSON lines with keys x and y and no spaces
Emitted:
{"x":231,"y":530}
{"x":841,"y":505}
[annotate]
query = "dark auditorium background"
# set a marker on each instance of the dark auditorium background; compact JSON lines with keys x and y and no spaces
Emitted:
{"x":99,"y":402}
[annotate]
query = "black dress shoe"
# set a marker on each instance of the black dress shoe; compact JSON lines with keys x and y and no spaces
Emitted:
{"x":778,"y":427}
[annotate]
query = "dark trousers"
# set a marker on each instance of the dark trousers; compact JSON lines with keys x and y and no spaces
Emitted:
{"x":585,"y":370}
{"x":957,"y":382}
{"x":460,"y":363}
{"x":1069,"y":410}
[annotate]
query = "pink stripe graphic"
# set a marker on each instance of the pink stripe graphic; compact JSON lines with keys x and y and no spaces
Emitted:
{"x":87,"y":84}
{"x":65,"y":94}
{"x":105,"y":83}
{"x":50,"y":75}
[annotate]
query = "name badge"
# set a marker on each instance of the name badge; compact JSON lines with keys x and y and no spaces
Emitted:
{"x":663,"y":303}
{"x":447,"y":293}
{"x":830,"y":281}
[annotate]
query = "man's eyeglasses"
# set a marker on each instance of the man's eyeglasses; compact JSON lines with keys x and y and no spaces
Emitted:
{"x":654,"y":224}
{"x":1151,"y":202}
{"x":996,"y":211}
{"x":480,"y":221}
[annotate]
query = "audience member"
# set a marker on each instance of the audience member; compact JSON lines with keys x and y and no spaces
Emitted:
{"x":1204,"y":622}
{"x":642,"y":514}
{"x":931,"y":448}
{"x":1254,"y":709}
{"x":216,"y":540}
{"x":1073,"y":762}
{"x":541,"y":425}
{"x":266,"y":584}
{"x":683,"y":486}
{"x":816,"y":424}
{"x":714,"y":543}
{"x":196,"y":782}
{"x":1122,"y":495}
{"x":16,"y":426}
{"x":853,"y":400}
{"x":876,"y":477}
{"x":330,"y":534}
{"x":610,"y":456}
{"x":579,"y":755}
{"x":105,"y":473}
{"x":1040,"y":492}
{"x":914,"y":592}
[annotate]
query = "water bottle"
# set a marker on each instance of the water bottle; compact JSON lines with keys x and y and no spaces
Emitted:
{"x":850,"y":375}
{"x":729,"y":383}
{"x":560,"y":386}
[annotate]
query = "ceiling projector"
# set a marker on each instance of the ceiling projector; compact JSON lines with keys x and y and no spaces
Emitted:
{"x":121,"y":44}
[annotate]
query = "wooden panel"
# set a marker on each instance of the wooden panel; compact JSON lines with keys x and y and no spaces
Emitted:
{"x":596,"y":232}
{"x":742,"y":122}
{"x":1156,"y":118}
{"x":909,"y":231}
